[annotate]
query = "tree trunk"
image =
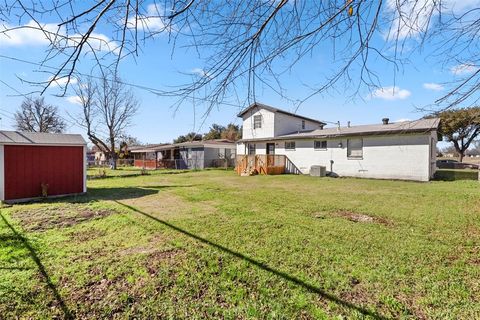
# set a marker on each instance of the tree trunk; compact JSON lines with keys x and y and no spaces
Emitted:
{"x":460,"y":156}
{"x":113,"y":159}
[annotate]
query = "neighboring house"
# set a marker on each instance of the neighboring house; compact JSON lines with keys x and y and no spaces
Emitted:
{"x":36,"y":165}
{"x":100,"y":158}
{"x":186,"y":155}
{"x":275,"y":141}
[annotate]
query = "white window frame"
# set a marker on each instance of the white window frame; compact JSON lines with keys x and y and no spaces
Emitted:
{"x":321,"y":142}
{"x":349,"y":149}
{"x":303,"y":124}
{"x":257,"y":121}
{"x":290,"y":147}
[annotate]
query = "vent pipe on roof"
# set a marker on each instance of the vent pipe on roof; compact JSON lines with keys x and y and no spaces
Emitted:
{"x":385,"y":120}
{"x":348,"y":124}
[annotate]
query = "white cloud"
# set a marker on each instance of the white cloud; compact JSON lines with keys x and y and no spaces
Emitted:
{"x":391,"y":93}
{"x":61,"y":82}
{"x":411,"y":18}
{"x":149,"y":22}
{"x":31,"y":34}
{"x":433,"y":86}
{"x":74,"y":100}
{"x":28,"y":34}
{"x":200,"y":72}
{"x":463,"y":69}
{"x":402,"y":120}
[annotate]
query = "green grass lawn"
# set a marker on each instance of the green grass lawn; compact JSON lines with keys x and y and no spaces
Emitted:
{"x":456,"y":174}
{"x":211,"y":244}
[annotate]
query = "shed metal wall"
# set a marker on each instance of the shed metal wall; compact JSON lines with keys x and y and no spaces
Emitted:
{"x":27,"y":167}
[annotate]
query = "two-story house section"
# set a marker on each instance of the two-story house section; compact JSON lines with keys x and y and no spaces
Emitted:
{"x":262,"y":122}
{"x":275,"y":141}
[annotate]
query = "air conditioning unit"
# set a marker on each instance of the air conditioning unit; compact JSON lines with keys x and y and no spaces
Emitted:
{"x":318,"y":171}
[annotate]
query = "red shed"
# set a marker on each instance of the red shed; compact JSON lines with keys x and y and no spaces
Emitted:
{"x":34,"y":164}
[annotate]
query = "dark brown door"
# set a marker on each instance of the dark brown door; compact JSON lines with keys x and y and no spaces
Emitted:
{"x":271,"y":148}
{"x":270,"y":154}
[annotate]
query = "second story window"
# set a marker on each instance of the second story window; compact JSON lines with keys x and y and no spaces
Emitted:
{"x":303,"y":124}
{"x":257,"y":122}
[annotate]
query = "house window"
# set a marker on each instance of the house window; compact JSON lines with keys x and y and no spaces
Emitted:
{"x":303,"y":124}
{"x":355,"y":148}
{"x":221,"y":153}
{"x":251,"y":148}
{"x":320,"y":144}
{"x":257,"y":122}
{"x":290,"y":145}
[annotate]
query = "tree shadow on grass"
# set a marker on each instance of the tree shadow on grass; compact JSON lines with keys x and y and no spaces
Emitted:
{"x":41,"y":268}
{"x":263,"y":266}
{"x":128,"y":192}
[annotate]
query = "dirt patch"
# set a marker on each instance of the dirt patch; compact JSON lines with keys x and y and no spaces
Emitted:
{"x":156,"y":258}
{"x":361,"y":217}
{"x":354,"y":217}
{"x":167,"y":205}
{"x":87,"y":235}
{"x":107,"y":296}
{"x":48,"y":217}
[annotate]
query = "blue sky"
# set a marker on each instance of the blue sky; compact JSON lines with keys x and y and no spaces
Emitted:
{"x":416,"y":84}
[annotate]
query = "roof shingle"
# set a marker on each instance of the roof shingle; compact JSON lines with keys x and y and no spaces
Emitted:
{"x":416,"y":126}
{"x":18,"y":137}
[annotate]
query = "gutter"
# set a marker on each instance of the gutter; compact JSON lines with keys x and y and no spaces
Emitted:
{"x":338,"y":135}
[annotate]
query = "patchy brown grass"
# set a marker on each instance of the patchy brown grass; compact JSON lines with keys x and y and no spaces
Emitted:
{"x":104,"y":296}
{"x":49,"y":217}
{"x":353,"y":216}
{"x":360,"y":217}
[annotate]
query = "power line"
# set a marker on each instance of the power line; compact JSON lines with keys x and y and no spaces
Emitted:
{"x":142,"y":87}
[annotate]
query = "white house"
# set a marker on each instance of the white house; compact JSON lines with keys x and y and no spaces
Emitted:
{"x":403,"y":150}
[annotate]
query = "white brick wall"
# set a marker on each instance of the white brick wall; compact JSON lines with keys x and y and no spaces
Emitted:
{"x":405,"y":157}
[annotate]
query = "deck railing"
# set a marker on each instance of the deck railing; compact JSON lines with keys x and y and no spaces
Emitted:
{"x":261,"y":163}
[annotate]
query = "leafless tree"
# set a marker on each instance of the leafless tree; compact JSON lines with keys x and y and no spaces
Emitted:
{"x":247,"y":43}
{"x":107,"y":110}
{"x":37,"y":116}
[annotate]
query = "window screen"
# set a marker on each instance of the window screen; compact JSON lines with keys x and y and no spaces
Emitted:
{"x":355,"y":148}
{"x":257,"y":122}
{"x":303,"y":124}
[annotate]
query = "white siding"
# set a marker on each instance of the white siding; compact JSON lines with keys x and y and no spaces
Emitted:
{"x":433,"y":153}
{"x":385,"y":157}
{"x":285,"y":124}
{"x":241,"y":148}
{"x":2,"y":173}
{"x":84,"y":169}
{"x":267,"y":129}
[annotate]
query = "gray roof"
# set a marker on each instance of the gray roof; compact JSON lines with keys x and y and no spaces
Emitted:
{"x":270,"y":108}
{"x":188,"y":144}
{"x":18,"y":137}
{"x":416,"y":126}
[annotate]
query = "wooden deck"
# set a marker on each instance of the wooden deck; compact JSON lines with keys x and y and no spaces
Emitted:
{"x":261,"y":164}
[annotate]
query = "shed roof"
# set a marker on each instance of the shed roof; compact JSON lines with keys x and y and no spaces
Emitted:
{"x":273,"y":109}
{"x":40,"y":138}
{"x":416,"y":126}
